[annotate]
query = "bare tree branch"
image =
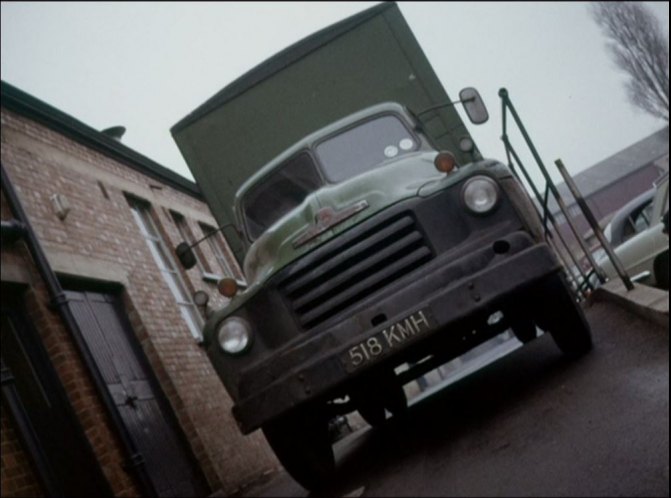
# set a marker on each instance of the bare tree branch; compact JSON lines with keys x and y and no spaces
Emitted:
{"x":640,"y":48}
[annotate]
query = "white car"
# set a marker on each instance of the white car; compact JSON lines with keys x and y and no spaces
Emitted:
{"x":639,"y":239}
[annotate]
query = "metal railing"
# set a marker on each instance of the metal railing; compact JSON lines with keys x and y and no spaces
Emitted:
{"x":581,"y":278}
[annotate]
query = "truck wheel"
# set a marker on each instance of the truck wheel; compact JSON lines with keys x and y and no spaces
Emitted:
{"x":661,"y":267}
{"x":563,"y":318}
{"x":524,"y":330}
{"x":520,"y":320}
{"x":521,"y":324}
{"x":301,"y":443}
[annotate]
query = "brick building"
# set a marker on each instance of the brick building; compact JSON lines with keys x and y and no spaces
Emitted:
{"x":105,"y":389}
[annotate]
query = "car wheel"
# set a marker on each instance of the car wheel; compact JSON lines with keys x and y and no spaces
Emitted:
{"x":302,"y":444}
{"x":661,"y":267}
{"x":561,"y":316}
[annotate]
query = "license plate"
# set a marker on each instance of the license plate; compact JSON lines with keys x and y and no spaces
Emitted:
{"x":396,"y":335}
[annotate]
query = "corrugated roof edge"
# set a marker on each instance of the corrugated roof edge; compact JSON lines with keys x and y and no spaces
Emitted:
{"x":22,"y":103}
{"x":279,"y":61}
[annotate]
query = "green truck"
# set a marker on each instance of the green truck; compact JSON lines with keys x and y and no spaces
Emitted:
{"x":377,"y":243}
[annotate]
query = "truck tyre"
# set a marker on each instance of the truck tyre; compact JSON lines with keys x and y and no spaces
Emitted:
{"x":301,"y":443}
{"x":524,"y":330}
{"x":521,"y":324}
{"x":661,"y":267}
{"x":561,"y":316}
{"x":520,"y":320}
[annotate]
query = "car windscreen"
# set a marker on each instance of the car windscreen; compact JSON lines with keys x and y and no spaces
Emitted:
{"x":364,"y":147}
{"x":624,"y":228}
{"x":279,"y":192}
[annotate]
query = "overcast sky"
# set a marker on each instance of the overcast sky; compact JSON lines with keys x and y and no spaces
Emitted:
{"x":146,"y":65}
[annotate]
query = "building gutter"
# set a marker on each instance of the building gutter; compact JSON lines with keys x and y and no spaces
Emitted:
{"x":20,"y":227}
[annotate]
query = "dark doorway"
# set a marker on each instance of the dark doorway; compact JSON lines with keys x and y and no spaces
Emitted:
{"x":137,"y":396}
{"x":48,"y":428}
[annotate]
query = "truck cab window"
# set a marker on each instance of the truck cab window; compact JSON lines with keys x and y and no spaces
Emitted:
{"x":280,"y":192}
{"x":364,"y":147}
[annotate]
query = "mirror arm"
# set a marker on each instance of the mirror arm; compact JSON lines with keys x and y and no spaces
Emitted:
{"x":446,"y":104}
{"x":185,"y":253}
{"x":218,"y":229}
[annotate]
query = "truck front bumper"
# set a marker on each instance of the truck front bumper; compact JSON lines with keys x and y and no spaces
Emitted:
{"x":447,"y":290}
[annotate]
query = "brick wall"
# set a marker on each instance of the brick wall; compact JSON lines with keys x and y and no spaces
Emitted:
{"x":17,"y":477}
{"x":100,"y":240}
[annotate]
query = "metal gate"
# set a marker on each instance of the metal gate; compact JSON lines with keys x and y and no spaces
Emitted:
{"x":137,"y":397}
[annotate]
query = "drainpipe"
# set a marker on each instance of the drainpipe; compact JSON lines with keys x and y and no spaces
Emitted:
{"x":12,"y":231}
{"x":21,"y":227}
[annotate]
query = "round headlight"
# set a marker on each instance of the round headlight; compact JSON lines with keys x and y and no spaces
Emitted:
{"x":480,"y":194}
{"x":235,"y":335}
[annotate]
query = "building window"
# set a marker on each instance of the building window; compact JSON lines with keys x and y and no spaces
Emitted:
{"x":166,"y":264}
{"x":187,"y":236}
{"x":217,"y":249}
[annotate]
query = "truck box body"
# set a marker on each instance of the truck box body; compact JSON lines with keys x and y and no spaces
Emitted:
{"x":305,"y":87}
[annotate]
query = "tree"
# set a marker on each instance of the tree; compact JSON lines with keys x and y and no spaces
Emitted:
{"x":639,"y":47}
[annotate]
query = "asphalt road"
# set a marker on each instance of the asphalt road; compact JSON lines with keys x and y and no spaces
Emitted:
{"x":531,"y":424}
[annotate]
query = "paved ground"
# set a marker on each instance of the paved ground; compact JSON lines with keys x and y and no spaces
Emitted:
{"x":530,"y":424}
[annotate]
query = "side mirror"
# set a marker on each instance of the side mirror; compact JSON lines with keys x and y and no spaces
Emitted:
{"x":185,"y":255}
{"x":473,"y":105}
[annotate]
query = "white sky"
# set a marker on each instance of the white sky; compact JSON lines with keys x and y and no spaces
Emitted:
{"x":146,"y":65}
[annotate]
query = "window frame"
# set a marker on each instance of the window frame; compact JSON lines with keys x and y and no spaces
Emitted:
{"x":144,"y":218}
{"x":187,"y":236}
{"x":212,"y":236}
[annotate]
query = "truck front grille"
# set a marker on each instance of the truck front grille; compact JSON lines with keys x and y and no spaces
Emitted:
{"x":348,"y":272}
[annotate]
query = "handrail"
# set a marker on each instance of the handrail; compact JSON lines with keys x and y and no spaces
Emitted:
{"x":581,"y":287}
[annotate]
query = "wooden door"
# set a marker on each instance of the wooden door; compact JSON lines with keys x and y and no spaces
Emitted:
{"x":137,"y":396}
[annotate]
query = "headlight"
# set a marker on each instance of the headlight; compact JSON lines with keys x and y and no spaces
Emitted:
{"x":235,"y":335}
{"x":480,"y":194}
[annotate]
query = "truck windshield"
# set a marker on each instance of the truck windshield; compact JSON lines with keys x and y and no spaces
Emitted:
{"x":280,"y":192}
{"x":364,"y":147}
